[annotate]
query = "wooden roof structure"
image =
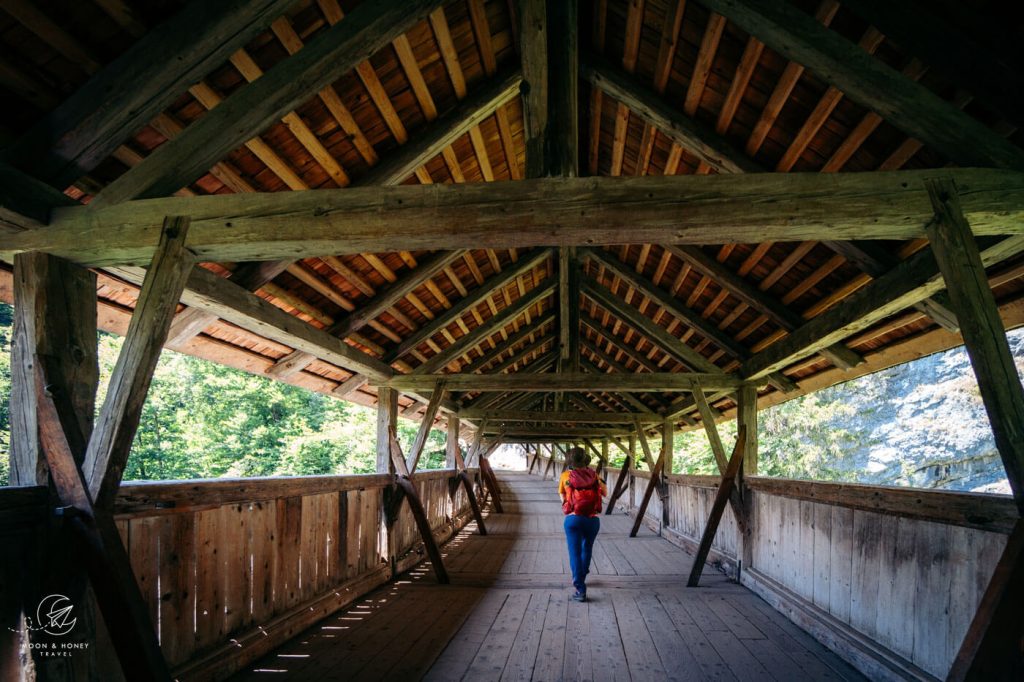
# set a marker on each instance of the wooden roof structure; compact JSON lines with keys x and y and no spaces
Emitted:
{"x":664,"y":89}
{"x":553,"y":222}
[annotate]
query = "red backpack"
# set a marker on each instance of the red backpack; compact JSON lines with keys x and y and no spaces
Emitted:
{"x":582,"y":493}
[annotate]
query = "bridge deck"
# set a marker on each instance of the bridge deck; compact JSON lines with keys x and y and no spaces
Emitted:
{"x":507,"y":615}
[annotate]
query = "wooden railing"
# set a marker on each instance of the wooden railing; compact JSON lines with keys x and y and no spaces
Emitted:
{"x":232,"y":568}
{"x":890,"y":578}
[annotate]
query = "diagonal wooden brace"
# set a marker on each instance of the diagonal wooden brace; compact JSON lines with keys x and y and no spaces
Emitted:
{"x":651,"y":486}
{"x":620,"y":485}
{"x":725,"y":489}
{"x":110,"y":572}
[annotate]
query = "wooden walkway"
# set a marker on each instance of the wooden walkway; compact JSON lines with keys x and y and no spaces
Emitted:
{"x":507,"y":615}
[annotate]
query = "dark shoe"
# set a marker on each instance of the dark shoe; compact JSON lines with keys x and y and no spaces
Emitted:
{"x":580,"y":596}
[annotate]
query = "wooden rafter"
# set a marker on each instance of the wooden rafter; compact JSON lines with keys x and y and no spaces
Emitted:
{"x":338,"y":50}
{"x":913,"y":280}
{"x":492,"y":326}
{"x":839,"y":355}
{"x":383,"y":301}
{"x":694,"y":136}
{"x":902,"y":102}
{"x":130,"y":91}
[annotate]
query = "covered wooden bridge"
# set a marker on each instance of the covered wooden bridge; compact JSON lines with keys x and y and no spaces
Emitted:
{"x":532,"y":223}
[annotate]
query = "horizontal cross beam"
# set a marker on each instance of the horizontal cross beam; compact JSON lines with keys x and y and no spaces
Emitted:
{"x":569,"y":382}
{"x":685,"y":209}
{"x":501,"y":416}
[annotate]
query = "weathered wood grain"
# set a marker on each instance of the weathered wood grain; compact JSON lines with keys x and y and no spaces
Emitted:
{"x":111,"y":441}
{"x":684,"y":209}
{"x":130,"y":91}
{"x":901,"y":101}
{"x":253,"y":108}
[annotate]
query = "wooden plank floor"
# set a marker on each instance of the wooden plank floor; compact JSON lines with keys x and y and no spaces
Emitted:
{"x":507,"y":615}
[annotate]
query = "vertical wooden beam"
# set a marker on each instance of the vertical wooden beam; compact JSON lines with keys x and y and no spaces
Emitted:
{"x":563,"y":74}
{"x":564,"y":265}
{"x":452,"y":441}
{"x":54,"y":329}
{"x":533,"y":37}
{"x":981,"y":327}
{"x":725,"y":489}
{"x":550,"y":62}
{"x":668,"y":431}
{"x":54,"y":323}
{"x":746,"y":419}
{"x":387,"y":420}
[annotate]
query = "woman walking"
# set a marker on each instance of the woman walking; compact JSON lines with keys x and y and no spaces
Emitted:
{"x":581,"y":491}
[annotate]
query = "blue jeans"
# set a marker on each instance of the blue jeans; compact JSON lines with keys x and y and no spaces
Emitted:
{"x":580,"y":532}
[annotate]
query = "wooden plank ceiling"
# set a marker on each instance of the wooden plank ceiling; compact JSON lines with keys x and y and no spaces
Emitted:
{"x":722,"y":302}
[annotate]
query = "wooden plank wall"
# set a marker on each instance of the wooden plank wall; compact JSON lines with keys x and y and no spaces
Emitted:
{"x":911,"y":585}
{"x":214,"y":571}
{"x":903,"y":568}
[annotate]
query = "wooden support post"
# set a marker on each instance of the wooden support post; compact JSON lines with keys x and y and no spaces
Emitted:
{"x":984,"y":336}
{"x":604,"y":457}
{"x":620,"y":485}
{"x":746,"y":416}
{"x":667,"y":436}
{"x":725,"y":489}
{"x":111,"y":442}
{"x":651,"y":485}
{"x":54,"y":327}
{"x":551,"y":463}
{"x":387,"y":419}
{"x":452,"y":441}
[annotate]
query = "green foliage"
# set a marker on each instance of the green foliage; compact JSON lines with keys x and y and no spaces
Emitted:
{"x":204,"y":420}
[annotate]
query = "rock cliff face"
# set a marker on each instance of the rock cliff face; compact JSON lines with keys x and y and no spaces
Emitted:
{"x":922,"y":424}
